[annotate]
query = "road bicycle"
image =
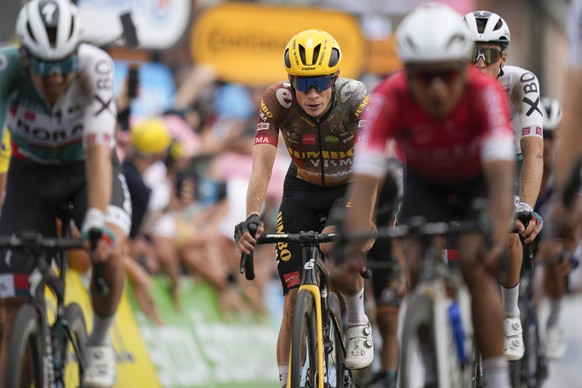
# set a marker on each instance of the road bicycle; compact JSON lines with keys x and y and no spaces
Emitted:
{"x":45,"y":352}
{"x":438,"y":313}
{"x":317,"y":346}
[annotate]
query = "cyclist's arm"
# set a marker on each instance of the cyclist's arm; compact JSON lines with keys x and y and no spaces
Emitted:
{"x":532,"y":149}
{"x":499,"y":174}
{"x":363,"y":191}
{"x":263,"y":160}
{"x":96,"y":71}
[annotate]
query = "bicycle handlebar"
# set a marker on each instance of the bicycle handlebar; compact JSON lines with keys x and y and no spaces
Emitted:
{"x":34,"y":240}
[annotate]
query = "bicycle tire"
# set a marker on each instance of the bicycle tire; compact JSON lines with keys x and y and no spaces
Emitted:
{"x":25,"y":341}
{"x":303,"y":371}
{"x":418,"y":312}
{"x":76,"y":339}
{"x":337,"y":375}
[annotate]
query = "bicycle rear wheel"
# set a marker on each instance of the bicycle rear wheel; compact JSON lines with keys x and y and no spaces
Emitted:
{"x":337,"y":375}
{"x":303,"y":366}
{"x":25,"y":363}
{"x":76,"y":338}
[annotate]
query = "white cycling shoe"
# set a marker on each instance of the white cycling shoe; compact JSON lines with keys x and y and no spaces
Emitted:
{"x":99,"y":367}
{"x":513,"y":345}
{"x":555,"y":343}
{"x":360,"y":346}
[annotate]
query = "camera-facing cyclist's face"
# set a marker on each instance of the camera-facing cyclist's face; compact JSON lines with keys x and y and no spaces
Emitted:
{"x":437,"y":87}
{"x":488,"y":58}
{"x":314,"y":94}
{"x":51,"y":78}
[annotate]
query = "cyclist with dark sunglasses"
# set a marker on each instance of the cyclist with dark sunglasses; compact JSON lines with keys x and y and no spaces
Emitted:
{"x":491,"y":35}
{"x":452,"y":124}
{"x":318,"y":115}
{"x":56,"y":99}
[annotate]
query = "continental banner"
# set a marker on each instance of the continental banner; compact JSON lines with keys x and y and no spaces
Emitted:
{"x":245,"y":42}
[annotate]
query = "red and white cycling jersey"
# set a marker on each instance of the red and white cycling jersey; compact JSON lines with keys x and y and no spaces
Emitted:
{"x":448,"y":150}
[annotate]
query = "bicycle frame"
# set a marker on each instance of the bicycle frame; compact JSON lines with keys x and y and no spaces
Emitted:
{"x":309,"y":281}
{"x":314,"y":277}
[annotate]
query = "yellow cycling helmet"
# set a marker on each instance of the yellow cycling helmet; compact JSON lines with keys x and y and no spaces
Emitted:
{"x":312,"y":53}
{"x":150,"y":136}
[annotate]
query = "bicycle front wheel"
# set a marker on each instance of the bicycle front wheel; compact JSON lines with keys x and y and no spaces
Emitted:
{"x":25,"y":350}
{"x":76,"y":338}
{"x":419,"y":316}
{"x":303,"y":366}
{"x":337,"y":375}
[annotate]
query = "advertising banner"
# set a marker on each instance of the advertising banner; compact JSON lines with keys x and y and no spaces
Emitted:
{"x":245,"y":42}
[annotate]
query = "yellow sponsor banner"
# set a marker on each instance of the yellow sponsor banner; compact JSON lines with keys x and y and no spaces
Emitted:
{"x":383,"y":58}
{"x":134,"y":366}
{"x":245,"y":42}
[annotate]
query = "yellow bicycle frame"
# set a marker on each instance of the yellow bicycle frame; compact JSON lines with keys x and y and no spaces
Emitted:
{"x":315,"y":292}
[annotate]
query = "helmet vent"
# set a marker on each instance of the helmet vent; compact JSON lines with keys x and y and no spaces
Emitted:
{"x":72,"y":30}
{"x":316,"y":53}
{"x":334,"y":57}
{"x":51,"y":33}
{"x":456,"y":39}
{"x":30,"y":33}
{"x":287,"y":60}
{"x":302,"y":54}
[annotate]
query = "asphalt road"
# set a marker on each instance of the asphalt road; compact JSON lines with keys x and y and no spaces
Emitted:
{"x":567,"y":372}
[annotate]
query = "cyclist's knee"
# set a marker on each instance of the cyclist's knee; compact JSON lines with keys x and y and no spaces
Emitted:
{"x":327,"y":248}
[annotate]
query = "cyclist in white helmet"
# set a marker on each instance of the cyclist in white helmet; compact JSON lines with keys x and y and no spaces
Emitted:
{"x":491,"y":35}
{"x":451,"y":123}
{"x":56,"y":99}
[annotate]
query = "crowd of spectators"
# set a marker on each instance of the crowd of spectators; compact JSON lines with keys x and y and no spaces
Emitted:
{"x":187,"y":171}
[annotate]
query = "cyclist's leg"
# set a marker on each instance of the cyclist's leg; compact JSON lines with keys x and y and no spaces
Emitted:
{"x":513,"y":346}
{"x":388,"y":286}
{"x":359,"y":338}
{"x":24,"y":208}
{"x":99,"y":352}
{"x":486,"y":310}
{"x":296,"y":214}
{"x":509,"y":285}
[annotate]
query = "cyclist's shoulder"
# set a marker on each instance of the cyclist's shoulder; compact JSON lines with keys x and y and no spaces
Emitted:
{"x":11,"y":66}
{"x":515,"y":77}
{"x":94,"y":62}
{"x":276,"y":96}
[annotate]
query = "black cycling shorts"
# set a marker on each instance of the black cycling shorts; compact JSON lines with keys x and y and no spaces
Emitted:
{"x":304,"y":207}
{"x":380,"y":253}
{"x":33,"y":194}
{"x":440,"y":203}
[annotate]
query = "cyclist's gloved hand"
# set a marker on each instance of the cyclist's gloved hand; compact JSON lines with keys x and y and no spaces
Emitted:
{"x":245,"y":232}
{"x":98,"y":239}
{"x":528,"y":230}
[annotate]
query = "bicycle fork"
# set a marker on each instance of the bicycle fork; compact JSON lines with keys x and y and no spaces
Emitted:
{"x":310,"y":283}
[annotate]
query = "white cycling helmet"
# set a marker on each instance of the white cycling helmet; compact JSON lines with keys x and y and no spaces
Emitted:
{"x":49,"y":29}
{"x":488,"y":27}
{"x":433,"y":32}
{"x":552,"y":110}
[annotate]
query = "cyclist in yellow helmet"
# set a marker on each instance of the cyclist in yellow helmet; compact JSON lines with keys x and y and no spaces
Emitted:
{"x":318,"y":114}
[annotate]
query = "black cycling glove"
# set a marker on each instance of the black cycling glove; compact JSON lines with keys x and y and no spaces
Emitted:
{"x":251,"y":224}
